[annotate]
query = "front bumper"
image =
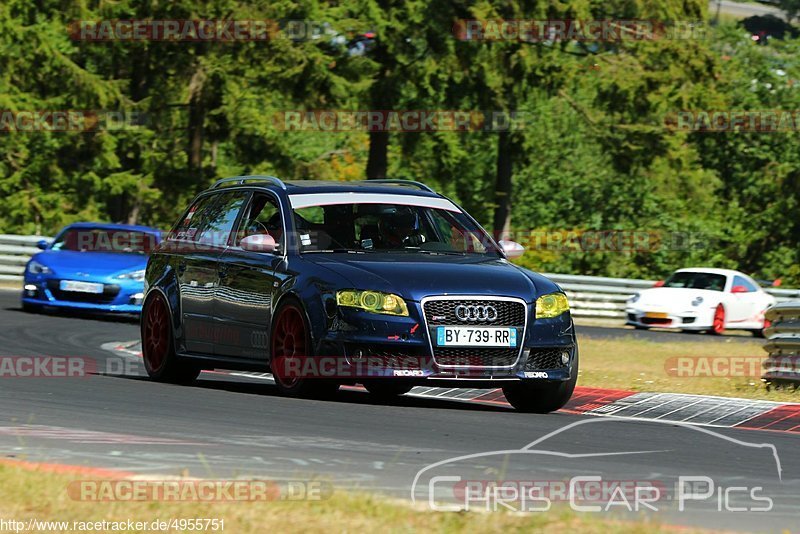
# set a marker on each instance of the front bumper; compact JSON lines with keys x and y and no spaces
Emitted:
{"x":686,"y":320}
{"x":372,"y":346}
{"x":119,"y":296}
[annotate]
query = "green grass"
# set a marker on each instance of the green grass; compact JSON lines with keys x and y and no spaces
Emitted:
{"x":34,"y":494}
{"x":640,"y":365}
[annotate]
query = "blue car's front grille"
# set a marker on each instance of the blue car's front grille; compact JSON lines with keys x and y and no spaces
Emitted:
{"x":441,"y":311}
{"x":546,"y":359}
{"x":467,"y":357}
{"x":110,"y":292}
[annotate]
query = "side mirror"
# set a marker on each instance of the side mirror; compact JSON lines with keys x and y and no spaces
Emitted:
{"x":512,"y":248}
{"x":739,"y":289}
{"x":258,"y":243}
{"x":42,"y":244}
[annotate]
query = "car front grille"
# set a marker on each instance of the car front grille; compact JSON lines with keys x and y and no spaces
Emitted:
{"x":439,"y":311}
{"x":469,"y":357}
{"x":442,"y":312}
{"x":108,"y":295}
{"x":388,"y":358}
{"x":546,"y":359}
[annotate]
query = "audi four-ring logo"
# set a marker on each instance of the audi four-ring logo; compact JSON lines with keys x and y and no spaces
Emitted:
{"x":475,"y":312}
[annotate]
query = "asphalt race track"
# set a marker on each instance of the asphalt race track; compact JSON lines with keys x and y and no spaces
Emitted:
{"x":226,"y":426}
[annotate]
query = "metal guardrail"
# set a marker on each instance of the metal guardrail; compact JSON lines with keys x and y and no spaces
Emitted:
{"x":15,"y":251}
{"x":589,"y":296}
{"x":605,"y":298}
{"x":783,"y":345}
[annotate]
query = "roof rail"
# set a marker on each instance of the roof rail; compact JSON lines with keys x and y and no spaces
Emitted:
{"x":411,"y":183}
{"x":243,"y":179}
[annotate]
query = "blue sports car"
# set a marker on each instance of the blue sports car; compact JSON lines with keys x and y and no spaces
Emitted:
{"x":384,"y":283}
{"x":92,"y":267}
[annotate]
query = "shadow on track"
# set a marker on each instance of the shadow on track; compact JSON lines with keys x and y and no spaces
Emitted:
{"x":344,"y":396}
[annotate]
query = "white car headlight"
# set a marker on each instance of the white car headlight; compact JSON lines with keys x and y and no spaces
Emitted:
{"x":34,"y":267}
{"x":133,"y":275}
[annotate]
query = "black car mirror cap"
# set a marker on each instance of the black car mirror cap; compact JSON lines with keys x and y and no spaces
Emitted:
{"x":512,"y":249}
{"x":258,"y":243}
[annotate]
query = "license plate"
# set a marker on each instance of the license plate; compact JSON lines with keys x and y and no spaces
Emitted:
{"x":475,"y":336}
{"x":656,"y":315}
{"x":80,"y":287}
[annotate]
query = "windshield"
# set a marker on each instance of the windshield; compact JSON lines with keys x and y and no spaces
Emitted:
{"x":391,"y":227}
{"x":105,"y":240}
{"x":691,"y":280}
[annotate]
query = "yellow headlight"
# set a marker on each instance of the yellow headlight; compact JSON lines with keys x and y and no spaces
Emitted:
{"x":372,"y":301}
{"x":552,"y":305}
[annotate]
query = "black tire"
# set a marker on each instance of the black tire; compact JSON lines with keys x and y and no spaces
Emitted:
{"x":387,"y":389}
{"x":291,"y":338}
{"x":158,"y":349}
{"x":543,"y":397}
{"x":640,"y":327}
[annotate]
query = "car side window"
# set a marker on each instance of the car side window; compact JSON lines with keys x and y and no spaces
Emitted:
{"x":744,"y":282}
{"x":216,"y":224}
{"x":186,"y":229}
{"x":263,"y":216}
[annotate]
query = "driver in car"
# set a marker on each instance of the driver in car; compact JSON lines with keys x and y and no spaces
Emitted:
{"x":400,"y":229}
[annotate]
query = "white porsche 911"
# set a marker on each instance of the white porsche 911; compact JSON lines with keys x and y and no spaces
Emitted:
{"x":701,"y":300}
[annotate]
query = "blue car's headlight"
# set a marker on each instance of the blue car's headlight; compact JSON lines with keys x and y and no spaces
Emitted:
{"x":133,"y":275}
{"x":372,"y":301}
{"x":552,"y":305}
{"x":34,"y":267}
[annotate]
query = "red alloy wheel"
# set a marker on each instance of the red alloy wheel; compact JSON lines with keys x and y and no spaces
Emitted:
{"x":719,"y":320}
{"x":289,"y":341}
{"x":156,"y":334}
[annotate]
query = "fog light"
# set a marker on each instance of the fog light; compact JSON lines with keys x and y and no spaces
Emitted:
{"x":137,"y":298}
{"x":565,"y":358}
{"x":30,"y":287}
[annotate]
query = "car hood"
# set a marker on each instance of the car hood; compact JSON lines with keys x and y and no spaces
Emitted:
{"x":670,"y":298}
{"x":415,"y":276}
{"x":69,"y":262}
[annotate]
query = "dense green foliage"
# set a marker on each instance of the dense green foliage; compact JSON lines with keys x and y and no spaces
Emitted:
{"x":598,"y":152}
